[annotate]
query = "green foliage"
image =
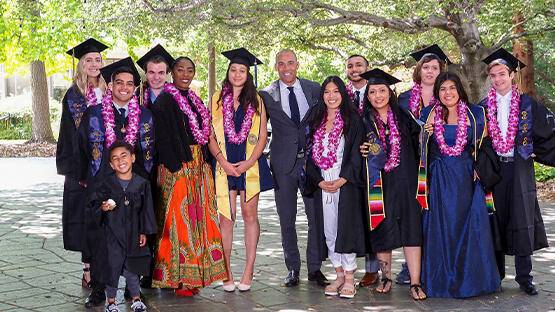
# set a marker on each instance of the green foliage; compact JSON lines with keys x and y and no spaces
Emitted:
{"x":15,"y":127}
{"x":544,"y":173}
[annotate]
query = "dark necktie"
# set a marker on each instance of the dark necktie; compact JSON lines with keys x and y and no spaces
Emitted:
{"x":294,"y":106}
{"x":357,"y":99}
{"x":122,"y":112}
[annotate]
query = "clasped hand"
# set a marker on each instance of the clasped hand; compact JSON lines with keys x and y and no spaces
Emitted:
{"x":332,"y":186}
{"x":235,"y":169}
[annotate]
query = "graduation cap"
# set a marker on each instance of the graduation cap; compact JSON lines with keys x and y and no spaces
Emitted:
{"x":244,"y":57}
{"x":87,"y":46}
{"x":505,"y":58}
{"x":158,"y":50}
{"x":433,"y":51}
{"x":125,"y":64}
{"x":378,"y":76}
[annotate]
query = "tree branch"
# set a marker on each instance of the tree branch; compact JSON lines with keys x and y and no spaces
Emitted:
{"x":505,"y":39}
{"x":411,"y":25}
{"x":178,"y":8}
{"x":545,"y":77}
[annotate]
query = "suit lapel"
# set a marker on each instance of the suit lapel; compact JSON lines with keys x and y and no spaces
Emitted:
{"x":276,"y":95}
{"x":309,"y":100}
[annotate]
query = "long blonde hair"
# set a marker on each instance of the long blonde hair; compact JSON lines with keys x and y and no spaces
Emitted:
{"x":80,"y":80}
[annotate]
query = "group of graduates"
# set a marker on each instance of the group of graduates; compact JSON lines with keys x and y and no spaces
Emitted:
{"x":152,"y":175}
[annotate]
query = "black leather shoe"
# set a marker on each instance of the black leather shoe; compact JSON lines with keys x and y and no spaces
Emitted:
{"x":529,"y":289}
{"x":319,"y":278}
{"x":95,"y":299}
{"x":292,"y":279}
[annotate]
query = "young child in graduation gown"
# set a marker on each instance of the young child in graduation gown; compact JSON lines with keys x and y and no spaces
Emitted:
{"x":122,"y":206}
{"x":334,"y":180}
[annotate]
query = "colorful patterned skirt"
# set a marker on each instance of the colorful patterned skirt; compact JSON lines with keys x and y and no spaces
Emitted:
{"x":188,"y":248}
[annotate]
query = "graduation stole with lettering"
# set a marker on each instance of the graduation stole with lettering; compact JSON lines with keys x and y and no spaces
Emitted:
{"x":252,"y":178}
{"x":77,"y":105}
{"x":374,"y":163}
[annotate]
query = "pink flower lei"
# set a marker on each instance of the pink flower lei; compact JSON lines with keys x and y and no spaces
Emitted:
{"x":146,"y":97}
{"x":132,"y":127}
{"x":326,"y":162}
{"x":91,"y":97}
{"x":229,"y":126}
{"x":414,"y":101}
{"x":503,"y":145}
{"x":393,"y":158}
{"x":460,"y":141}
{"x":351,"y":93}
{"x":200,"y":135}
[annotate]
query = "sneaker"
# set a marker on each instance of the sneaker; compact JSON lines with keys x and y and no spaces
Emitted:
{"x":138,"y":306}
{"x":403,"y":277}
{"x":112,"y":307}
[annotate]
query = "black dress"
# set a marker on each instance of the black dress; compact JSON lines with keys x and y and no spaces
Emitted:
{"x":352,"y":224}
{"x":403,"y":223}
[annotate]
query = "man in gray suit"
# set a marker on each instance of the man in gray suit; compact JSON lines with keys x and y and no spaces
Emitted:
{"x":289,"y":102}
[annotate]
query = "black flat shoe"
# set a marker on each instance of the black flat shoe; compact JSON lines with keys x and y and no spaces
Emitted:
{"x":529,"y":289}
{"x":84,"y":282}
{"x":292,"y":279}
{"x":319,"y":278}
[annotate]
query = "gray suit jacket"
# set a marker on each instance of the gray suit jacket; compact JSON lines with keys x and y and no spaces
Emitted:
{"x":285,"y":133}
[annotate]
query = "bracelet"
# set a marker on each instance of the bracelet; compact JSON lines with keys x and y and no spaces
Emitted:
{"x":218,"y":154}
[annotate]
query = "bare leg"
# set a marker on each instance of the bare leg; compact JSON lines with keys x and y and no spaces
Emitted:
{"x":226,"y":227}
{"x":384,"y":257}
{"x":413,"y":256}
{"x":249,"y":211}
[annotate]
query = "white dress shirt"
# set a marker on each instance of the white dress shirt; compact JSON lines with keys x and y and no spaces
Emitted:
{"x":503,"y":110}
{"x":299,"y":94}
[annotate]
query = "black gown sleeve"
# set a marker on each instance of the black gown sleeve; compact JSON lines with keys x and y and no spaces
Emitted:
{"x":66,"y":146}
{"x":543,"y":133}
{"x":351,"y":168}
{"x":147,"y":221}
{"x":487,"y":165}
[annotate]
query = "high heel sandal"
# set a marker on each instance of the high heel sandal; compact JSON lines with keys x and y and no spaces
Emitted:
{"x":84,"y":282}
{"x":245,"y":287}
{"x":417,"y":289}
{"x":334,"y":288}
{"x":385,"y":281}
{"x":348,"y":290}
{"x":229,"y":287}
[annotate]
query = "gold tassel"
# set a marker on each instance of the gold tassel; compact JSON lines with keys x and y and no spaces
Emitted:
{"x":141,"y":94}
{"x":519,"y":78}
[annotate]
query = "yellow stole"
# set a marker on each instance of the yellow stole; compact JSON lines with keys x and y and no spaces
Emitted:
{"x":252,"y":179}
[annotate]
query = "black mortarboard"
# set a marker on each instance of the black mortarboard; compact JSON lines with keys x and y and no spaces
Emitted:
{"x":242,"y":56}
{"x":158,"y":50}
{"x":433,"y":51}
{"x":87,"y":46}
{"x":505,"y":58}
{"x":378,"y":76}
{"x":127,"y":64}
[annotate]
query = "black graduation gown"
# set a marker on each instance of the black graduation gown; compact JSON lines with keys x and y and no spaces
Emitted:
{"x":352,"y":226}
{"x":93,"y":235}
{"x":173,"y":132}
{"x":403,"y":223}
{"x":73,"y":106}
{"x":122,"y":226}
{"x":521,"y":228}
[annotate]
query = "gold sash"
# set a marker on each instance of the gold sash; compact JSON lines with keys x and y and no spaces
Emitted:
{"x":252,"y":179}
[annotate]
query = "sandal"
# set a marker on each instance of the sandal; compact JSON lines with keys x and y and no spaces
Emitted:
{"x":417,"y":289}
{"x":385,"y":281}
{"x":84,"y":282}
{"x":348,"y":290}
{"x":334,"y":288}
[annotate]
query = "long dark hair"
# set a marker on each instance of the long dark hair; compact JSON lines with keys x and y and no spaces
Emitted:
{"x":443,"y":77}
{"x":248,"y":94}
{"x":368,"y":110}
{"x":345,"y":109}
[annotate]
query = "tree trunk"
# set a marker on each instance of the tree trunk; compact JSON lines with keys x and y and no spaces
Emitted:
{"x":523,"y":49}
{"x":42,"y":131}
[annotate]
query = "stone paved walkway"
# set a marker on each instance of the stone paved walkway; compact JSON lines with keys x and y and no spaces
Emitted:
{"x":36,"y":274}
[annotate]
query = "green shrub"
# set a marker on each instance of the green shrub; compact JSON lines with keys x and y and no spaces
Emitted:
{"x":544,"y":173}
{"x":16,"y":127}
